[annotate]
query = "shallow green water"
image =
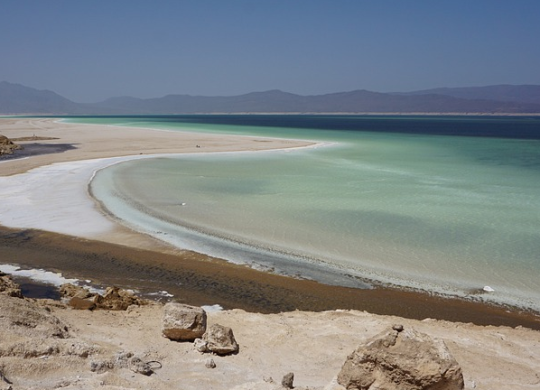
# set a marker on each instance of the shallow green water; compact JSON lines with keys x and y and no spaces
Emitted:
{"x":442,"y":212}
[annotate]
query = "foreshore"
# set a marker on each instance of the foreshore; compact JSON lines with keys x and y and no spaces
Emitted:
{"x":108,"y":253}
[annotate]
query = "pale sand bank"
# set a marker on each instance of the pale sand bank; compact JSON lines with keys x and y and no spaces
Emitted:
{"x":99,"y":141}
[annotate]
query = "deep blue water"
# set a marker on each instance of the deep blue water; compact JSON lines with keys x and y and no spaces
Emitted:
{"x":522,"y":127}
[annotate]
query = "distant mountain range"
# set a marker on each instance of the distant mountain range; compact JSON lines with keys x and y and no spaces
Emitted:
{"x":511,"y":99}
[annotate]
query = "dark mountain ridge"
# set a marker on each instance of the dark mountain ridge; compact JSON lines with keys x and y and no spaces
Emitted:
{"x":503,"y":93}
{"x":504,"y":99}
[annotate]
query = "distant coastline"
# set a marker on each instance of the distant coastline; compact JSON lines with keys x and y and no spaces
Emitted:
{"x":435,"y":114}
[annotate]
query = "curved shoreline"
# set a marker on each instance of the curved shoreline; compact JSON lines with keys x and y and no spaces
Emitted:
{"x":217,"y":243}
{"x":95,"y":147}
{"x":287,"y":264}
{"x":202,"y":280}
{"x":118,"y":235}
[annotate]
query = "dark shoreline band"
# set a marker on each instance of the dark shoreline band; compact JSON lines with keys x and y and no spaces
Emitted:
{"x":201,"y":280}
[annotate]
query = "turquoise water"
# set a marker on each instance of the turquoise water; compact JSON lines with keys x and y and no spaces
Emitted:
{"x":424,"y":209}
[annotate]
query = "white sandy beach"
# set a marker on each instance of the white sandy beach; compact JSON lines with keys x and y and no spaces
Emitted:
{"x":49,"y":192}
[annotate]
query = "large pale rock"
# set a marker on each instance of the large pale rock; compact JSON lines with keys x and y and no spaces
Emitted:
{"x":183,"y":322}
{"x":401,"y":360}
{"x":220,"y":340}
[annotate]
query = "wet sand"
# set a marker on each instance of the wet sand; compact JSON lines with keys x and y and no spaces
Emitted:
{"x":37,"y":149}
{"x":202,"y":280}
{"x":135,"y":261}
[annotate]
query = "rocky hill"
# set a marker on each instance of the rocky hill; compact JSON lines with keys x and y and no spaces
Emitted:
{"x":501,"y":93}
{"x":18,"y":99}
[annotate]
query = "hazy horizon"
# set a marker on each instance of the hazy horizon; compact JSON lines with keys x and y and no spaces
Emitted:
{"x":90,"y":51}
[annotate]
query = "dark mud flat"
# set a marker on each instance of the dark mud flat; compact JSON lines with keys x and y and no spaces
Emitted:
{"x":201,"y":280}
{"x":36,"y":149}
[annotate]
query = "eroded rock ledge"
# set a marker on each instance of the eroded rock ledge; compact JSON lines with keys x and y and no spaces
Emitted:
{"x":7,"y":146}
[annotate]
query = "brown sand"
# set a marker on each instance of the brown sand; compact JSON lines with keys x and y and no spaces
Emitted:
{"x":198,"y":279}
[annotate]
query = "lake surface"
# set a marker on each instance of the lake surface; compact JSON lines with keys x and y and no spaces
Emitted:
{"x":445,"y":204}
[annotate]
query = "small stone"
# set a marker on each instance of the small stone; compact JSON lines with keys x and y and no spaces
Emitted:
{"x":140,"y":367}
{"x":200,"y":345}
{"x":470,"y":385}
{"x":101,"y":366}
{"x":398,"y":327}
{"x":287,"y":381}
{"x":210,"y":363}
{"x":122,"y":359}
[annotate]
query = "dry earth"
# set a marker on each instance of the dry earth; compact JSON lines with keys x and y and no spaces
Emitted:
{"x":39,"y":353}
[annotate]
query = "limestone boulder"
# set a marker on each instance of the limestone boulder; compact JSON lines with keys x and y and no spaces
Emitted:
{"x":220,"y":340}
{"x":183,"y":322}
{"x":401,"y":359}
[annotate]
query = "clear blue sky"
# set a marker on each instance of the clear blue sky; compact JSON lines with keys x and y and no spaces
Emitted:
{"x":91,"y":50}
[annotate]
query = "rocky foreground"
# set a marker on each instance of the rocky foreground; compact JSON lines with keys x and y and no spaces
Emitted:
{"x":118,"y":341}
